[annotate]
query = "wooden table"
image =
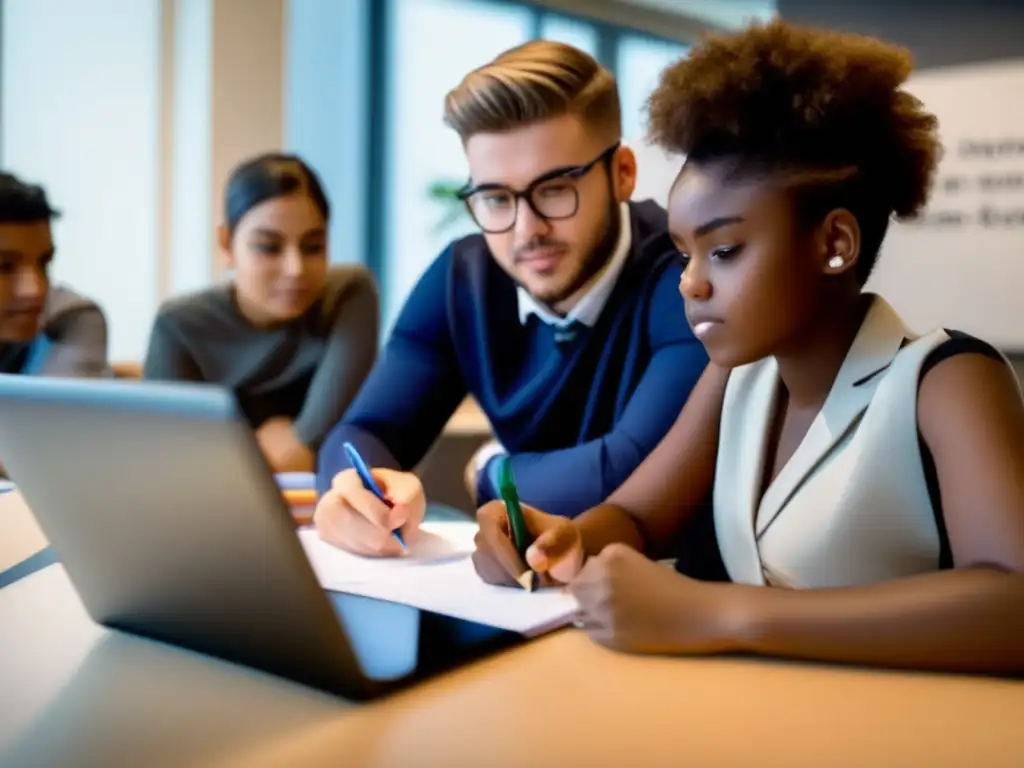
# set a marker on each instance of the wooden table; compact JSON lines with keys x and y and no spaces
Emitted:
{"x":75,"y":694}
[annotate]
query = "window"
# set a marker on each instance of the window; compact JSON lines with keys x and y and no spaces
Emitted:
{"x":432,"y":45}
{"x":639,"y":64}
{"x":575,"y":32}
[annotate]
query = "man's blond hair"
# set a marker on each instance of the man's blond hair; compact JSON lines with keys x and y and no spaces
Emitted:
{"x":536,"y":81}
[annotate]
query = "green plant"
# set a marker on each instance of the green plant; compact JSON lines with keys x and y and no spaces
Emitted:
{"x":446,"y":193}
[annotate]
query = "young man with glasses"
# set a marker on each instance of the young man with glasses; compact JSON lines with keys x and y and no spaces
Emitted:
{"x":562,"y":318}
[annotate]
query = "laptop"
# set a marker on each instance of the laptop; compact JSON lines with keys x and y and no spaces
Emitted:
{"x":170,"y":525}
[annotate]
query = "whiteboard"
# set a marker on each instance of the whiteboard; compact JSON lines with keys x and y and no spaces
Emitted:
{"x":962,"y":265}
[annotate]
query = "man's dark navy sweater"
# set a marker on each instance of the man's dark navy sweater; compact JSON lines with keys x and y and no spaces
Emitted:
{"x":577,"y":418}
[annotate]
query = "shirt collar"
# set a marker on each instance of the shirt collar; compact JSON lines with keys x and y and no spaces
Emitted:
{"x":588,"y":309}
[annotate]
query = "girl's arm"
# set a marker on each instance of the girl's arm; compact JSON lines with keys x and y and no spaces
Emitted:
{"x":967,"y":619}
{"x":670,"y":484}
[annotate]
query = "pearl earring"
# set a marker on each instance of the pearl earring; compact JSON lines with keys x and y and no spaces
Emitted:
{"x":836,"y":262}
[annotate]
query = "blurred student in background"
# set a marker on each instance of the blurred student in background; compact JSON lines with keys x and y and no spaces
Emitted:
{"x":291,"y":335}
{"x":45,"y":330}
{"x":867,"y":479}
{"x":561,"y":318}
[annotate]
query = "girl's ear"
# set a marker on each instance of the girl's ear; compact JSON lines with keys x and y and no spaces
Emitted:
{"x":839,"y":244}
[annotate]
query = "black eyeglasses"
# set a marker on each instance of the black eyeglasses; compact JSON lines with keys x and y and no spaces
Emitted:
{"x":552,"y":195}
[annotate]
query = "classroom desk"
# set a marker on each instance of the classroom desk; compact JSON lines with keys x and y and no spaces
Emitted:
{"x":19,"y":534}
{"x":75,"y":694}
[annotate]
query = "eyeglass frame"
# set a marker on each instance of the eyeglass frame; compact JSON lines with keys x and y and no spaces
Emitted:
{"x":574,"y":172}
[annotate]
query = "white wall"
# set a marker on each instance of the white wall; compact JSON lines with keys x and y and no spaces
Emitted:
{"x":80,"y":105}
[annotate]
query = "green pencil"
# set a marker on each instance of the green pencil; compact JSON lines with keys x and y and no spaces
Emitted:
{"x":516,"y":521}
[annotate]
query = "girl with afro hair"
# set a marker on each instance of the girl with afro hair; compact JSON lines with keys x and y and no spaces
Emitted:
{"x":867,"y":481}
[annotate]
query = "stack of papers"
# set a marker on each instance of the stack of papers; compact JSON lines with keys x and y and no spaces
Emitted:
{"x":438,"y":575}
{"x":296,"y":481}
{"x":299,"y":492}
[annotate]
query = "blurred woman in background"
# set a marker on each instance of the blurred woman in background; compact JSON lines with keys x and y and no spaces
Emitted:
{"x":291,"y":336}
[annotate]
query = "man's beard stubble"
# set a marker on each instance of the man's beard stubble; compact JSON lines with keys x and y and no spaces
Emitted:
{"x":594,"y":261}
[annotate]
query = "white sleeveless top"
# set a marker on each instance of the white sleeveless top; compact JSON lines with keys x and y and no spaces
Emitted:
{"x":851,"y":506}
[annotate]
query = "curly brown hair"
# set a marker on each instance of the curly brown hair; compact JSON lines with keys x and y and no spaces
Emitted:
{"x":823,"y":110}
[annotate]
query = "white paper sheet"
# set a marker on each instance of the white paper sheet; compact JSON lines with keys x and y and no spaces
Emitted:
{"x":438,"y":575}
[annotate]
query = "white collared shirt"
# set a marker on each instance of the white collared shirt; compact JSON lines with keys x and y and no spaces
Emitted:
{"x":588,"y":309}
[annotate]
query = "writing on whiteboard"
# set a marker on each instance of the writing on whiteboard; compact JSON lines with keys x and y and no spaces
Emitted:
{"x":982,"y":185}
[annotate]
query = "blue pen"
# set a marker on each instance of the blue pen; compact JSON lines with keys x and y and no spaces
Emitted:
{"x":370,"y":483}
